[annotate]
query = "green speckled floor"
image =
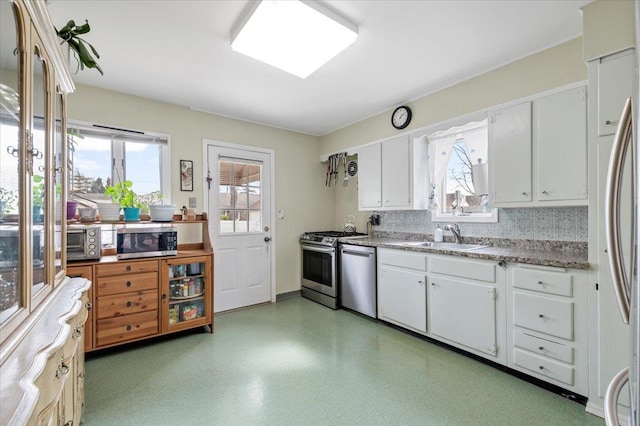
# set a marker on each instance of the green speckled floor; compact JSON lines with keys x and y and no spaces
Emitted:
{"x":299,"y":363}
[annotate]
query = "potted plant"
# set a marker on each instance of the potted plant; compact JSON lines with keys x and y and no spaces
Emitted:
{"x":122,"y":194}
{"x":158,"y":211}
{"x":7,"y":198}
{"x":71,"y":34}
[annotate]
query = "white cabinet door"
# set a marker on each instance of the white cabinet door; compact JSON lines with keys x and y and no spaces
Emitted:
{"x":510,"y":154}
{"x":561,"y":145}
{"x":615,"y":84}
{"x":396,"y":172}
{"x":402,"y":297}
{"x":369,"y":177}
{"x":463,"y":312}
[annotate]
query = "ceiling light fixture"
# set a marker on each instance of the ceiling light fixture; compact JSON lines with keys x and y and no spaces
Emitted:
{"x":295,"y":36}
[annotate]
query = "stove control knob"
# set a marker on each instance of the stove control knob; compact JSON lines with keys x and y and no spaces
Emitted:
{"x":330,"y":240}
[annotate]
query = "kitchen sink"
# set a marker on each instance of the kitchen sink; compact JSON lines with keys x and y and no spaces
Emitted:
{"x":442,"y":246}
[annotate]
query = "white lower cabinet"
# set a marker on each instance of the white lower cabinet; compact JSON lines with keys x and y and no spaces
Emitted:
{"x":402,"y":295}
{"x":547,"y":330}
{"x":466,"y":305}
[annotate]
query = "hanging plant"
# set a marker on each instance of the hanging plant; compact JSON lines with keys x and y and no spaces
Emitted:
{"x":70,"y":33}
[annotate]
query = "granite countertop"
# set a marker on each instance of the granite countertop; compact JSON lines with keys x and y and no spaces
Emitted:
{"x":544,"y":253}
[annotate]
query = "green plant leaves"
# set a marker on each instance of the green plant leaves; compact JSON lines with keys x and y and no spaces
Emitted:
{"x":70,"y":33}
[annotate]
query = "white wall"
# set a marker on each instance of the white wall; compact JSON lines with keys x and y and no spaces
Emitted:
{"x":299,"y":175}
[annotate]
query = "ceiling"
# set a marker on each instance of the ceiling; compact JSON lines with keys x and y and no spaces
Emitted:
{"x":179,"y":52}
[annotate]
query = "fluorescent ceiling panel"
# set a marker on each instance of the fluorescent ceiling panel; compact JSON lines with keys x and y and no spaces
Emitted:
{"x":294,"y":36}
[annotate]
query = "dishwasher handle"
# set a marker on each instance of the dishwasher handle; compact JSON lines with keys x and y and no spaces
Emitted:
{"x":356,"y":253}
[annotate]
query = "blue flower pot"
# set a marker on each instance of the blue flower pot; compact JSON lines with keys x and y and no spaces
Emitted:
{"x":131,"y":214}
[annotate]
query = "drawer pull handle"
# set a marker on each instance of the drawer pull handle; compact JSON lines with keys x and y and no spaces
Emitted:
{"x":541,"y":348}
{"x":89,"y":305}
{"x":128,"y":283}
{"x":608,"y":122}
{"x":128,"y":268}
{"x":540,"y":282}
{"x":128,"y":328}
{"x":541,"y":367}
{"x":540,"y":316}
{"x":524,"y":193}
{"x":128,"y":304}
{"x":62,"y":370}
{"x":77,"y":333}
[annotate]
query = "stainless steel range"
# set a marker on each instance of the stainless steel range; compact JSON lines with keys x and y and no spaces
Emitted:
{"x":319,"y":265}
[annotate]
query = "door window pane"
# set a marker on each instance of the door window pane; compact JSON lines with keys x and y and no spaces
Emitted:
{"x":240,"y":199}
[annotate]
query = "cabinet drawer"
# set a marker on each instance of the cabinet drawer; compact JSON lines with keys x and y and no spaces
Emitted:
{"x":121,"y":268}
{"x":126,"y":327}
{"x":543,"y":314}
{"x":49,"y":383}
{"x":127,"y":303}
{"x":465,"y":268}
{"x":543,"y":347}
{"x":543,"y":366}
{"x":126,"y":283}
{"x":403,"y":259}
{"x":559,"y":283}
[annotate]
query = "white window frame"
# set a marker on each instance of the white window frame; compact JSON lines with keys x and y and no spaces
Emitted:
{"x":116,"y":134}
{"x":437,"y":215}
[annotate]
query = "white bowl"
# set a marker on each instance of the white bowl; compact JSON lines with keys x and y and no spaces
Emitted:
{"x":109,"y":212}
{"x":161,"y":213}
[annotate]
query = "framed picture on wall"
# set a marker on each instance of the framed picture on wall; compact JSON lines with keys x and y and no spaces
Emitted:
{"x":186,"y":175}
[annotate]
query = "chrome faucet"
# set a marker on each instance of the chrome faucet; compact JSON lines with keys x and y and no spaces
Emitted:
{"x":455,"y":229}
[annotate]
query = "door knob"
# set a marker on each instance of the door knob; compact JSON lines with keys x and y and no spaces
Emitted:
{"x":267,"y":239}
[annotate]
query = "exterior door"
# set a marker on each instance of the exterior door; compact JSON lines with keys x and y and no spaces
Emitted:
{"x":239,"y":205}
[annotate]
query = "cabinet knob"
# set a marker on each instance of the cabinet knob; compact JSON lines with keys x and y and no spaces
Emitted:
{"x":541,"y":348}
{"x":128,"y":283}
{"x":128,"y":268}
{"x":128,"y":328}
{"x":541,"y":367}
{"x":540,"y":283}
{"x":164,"y":296}
{"x":524,"y":193}
{"x":89,"y":306}
{"x":420,"y":282}
{"x":128,"y":304}
{"x":608,"y":122}
{"x":502,"y":264}
{"x":540,"y":316}
{"x":545,"y":192}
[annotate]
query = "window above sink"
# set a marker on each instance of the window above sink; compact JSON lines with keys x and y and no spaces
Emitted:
{"x":458,"y":172}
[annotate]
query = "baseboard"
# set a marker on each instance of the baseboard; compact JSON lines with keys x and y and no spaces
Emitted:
{"x":286,"y":296}
{"x":598,"y":410}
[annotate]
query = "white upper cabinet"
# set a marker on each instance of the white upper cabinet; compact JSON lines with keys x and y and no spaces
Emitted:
{"x":392,"y":175}
{"x":561,"y":145}
{"x":614,"y":85}
{"x":369,"y":177}
{"x":510,"y":154}
{"x":538,"y":151}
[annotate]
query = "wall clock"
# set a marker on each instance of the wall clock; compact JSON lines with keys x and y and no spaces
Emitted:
{"x":401,"y":117}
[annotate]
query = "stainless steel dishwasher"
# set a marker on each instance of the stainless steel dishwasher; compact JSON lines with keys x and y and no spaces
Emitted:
{"x":358,"y":279}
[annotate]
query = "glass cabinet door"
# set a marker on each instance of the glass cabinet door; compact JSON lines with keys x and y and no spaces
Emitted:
{"x":10,"y":148}
{"x":59,"y":158}
{"x":38,"y":152}
{"x":186,"y":292}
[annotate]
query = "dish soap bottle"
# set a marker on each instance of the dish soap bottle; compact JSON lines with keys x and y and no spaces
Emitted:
{"x":437,"y":235}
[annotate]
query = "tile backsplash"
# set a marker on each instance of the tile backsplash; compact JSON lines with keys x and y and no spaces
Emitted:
{"x":542,"y":223}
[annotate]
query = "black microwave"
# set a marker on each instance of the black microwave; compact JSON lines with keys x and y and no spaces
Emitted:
{"x":147,"y":242}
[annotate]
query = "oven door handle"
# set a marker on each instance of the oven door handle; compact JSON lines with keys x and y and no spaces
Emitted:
{"x":318,"y":249}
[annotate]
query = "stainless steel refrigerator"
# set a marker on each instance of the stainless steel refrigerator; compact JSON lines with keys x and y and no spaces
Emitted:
{"x":626,"y":281}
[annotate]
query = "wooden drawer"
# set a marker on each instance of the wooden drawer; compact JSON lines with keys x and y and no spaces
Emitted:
{"x":545,"y":367}
{"x":543,"y":314}
{"x":560,"y":283}
{"x":126,"y":283}
{"x":465,"y":268}
{"x":121,"y":268}
{"x":127,"y":303}
{"x":403,"y":259}
{"x":126,"y":327}
{"x":543,"y":347}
